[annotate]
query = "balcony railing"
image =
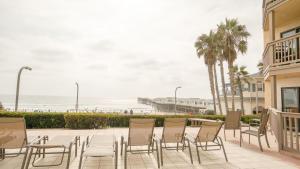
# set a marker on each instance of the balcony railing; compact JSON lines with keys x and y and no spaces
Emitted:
{"x":285,"y":127}
{"x":282,"y":52}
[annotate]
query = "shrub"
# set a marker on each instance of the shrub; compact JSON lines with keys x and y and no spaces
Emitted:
{"x":97,"y":120}
{"x":39,"y":120}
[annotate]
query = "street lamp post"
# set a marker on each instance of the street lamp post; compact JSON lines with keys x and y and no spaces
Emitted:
{"x":76,"y":105}
{"x":18,"y":85}
{"x":176,"y":98}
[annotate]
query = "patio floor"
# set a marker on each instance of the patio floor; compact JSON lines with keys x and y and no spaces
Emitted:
{"x":247,"y":157}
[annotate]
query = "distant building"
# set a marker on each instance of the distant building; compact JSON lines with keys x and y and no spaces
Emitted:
{"x":253,"y":93}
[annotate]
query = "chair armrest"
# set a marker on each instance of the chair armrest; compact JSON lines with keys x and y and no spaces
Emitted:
{"x":38,"y":140}
{"x":254,"y":122}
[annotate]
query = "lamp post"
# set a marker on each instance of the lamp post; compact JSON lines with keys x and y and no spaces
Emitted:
{"x":76,"y":105}
{"x":176,"y":98}
{"x":18,"y":85}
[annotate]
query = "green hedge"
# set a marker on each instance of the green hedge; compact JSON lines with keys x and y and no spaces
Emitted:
{"x":96,"y":120}
{"x":39,"y":120}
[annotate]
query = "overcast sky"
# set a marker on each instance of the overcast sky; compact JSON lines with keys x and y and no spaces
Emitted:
{"x":116,"y":48}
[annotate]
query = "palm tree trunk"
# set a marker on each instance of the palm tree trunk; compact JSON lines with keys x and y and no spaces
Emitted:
{"x":230,"y":68}
{"x":212,"y":89}
{"x":241,"y":95}
{"x":223,"y":84}
{"x":217,"y":90}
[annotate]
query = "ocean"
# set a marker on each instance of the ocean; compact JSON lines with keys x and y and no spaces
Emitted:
{"x":67,"y":104}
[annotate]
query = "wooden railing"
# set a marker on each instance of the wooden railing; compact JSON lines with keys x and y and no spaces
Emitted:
{"x":282,"y":52}
{"x":285,"y":126}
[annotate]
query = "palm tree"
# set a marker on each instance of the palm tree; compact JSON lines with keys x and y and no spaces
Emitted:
{"x":221,"y":59}
{"x":206,"y":47}
{"x":240,"y":76}
{"x":234,"y":41}
{"x":260,"y":67}
{"x":217,"y":88}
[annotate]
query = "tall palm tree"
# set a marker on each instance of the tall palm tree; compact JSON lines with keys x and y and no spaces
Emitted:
{"x":221,"y":58}
{"x":217,"y":88}
{"x":240,"y":76}
{"x":206,"y":48}
{"x":235,"y":41}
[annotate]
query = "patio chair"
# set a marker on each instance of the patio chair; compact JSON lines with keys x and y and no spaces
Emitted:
{"x":13,"y":136}
{"x":100,"y":146}
{"x":63,"y":142}
{"x":207,"y":138}
{"x":140,"y":134}
{"x":232,"y":122}
{"x":257,"y":132}
{"x":173,"y":132}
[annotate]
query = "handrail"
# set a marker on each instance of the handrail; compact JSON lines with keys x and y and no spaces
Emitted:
{"x":279,"y":40}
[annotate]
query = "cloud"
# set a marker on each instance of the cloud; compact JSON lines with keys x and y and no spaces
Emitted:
{"x":97,"y":67}
{"x":103,"y":46}
{"x":51,"y":55}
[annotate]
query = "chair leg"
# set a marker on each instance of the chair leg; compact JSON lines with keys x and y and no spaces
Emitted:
{"x":161,"y":153}
{"x":81,"y":156}
{"x":259,"y":142}
{"x":157,"y":154}
{"x":249,"y":138}
{"x":197,"y":149}
{"x":234,"y":133}
{"x":25,"y":157}
{"x":116,"y":155}
{"x":122,"y":142}
{"x":177,"y":146}
{"x":266,"y":136}
{"x":190,"y":151}
{"x":125,"y":158}
{"x":69,"y":155}
{"x":223,"y":148}
{"x":241,"y":138}
{"x":29,"y":158}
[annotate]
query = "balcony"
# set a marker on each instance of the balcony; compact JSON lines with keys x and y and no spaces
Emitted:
{"x":269,"y":5}
{"x":282,"y":52}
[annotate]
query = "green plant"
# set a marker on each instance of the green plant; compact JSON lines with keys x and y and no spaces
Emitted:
{"x":97,"y":120}
{"x":39,"y":120}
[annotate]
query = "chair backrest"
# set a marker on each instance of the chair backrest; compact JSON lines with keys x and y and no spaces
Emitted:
{"x":264,"y":117}
{"x":174,"y":129}
{"x":209,"y":131}
{"x":232,"y":120}
{"x":140,"y":132}
{"x":12,"y":133}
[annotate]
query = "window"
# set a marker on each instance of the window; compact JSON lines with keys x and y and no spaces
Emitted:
{"x":253,"y":87}
{"x":260,"y":87}
{"x":290,"y":99}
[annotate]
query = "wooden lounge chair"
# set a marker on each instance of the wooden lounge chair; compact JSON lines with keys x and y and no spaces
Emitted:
{"x":100,"y":146}
{"x":140,"y":134}
{"x":207,"y":138}
{"x":232,"y":122}
{"x":257,"y":132}
{"x":63,"y":142}
{"x":13,"y":136}
{"x":173,"y":132}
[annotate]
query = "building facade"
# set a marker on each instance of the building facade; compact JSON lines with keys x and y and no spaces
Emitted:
{"x":253,"y":94}
{"x":281,"y":57}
